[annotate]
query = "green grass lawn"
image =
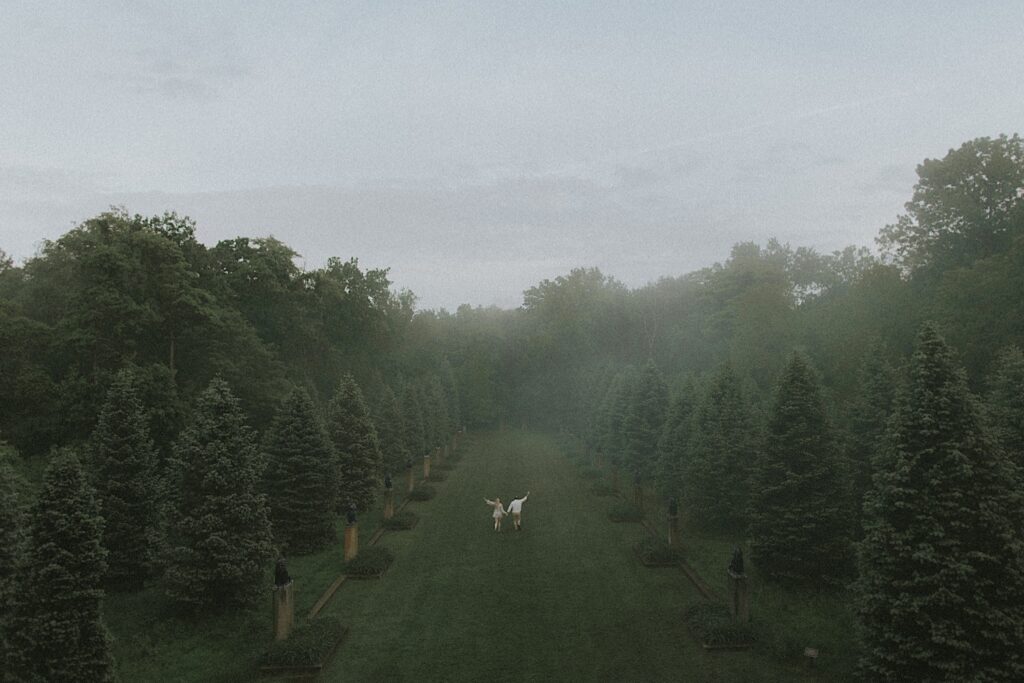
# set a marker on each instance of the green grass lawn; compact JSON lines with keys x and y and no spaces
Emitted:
{"x":566,"y":599}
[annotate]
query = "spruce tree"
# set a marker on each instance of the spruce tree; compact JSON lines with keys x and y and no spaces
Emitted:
{"x":674,"y":444}
{"x":356,"y":447}
{"x":56,"y":630}
{"x":413,"y":430}
{"x":798,"y":521}
{"x":300,"y":477}
{"x":644,"y":420}
{"x":1005,"y":403}
{"x":870,"y":412}
{"x":391,"y":432}
{"x":219,"y":541}
{"x":451,"y":396}
{"x":124,"y":463}
{"x":941,"y":588}
{"x":723,"y":453}
{"x":12,"y":542}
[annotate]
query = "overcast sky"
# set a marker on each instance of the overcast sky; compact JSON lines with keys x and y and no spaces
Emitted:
{"x":476,"y":148}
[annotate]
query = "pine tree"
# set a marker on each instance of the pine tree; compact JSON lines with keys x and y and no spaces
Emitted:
{"x":356,"y":447}
{"x":941,"y":588}
{"x":56,"y":629}
{"x":799,"y":525}
{"x":124,"y":463}
{"x":12,"y":542}
{"x":716,"y":478}
{"x":674,"y":444}
{"x":300,"y":477}
{"x":1005,"y":403}
{"x":220,"y":540}
{"x":390,"y":431}
{"x":644,"y":420}
{"x":412,"y":414}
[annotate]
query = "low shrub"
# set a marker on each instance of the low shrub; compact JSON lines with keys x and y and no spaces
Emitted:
{"x":653,"y":550}
{"x":603,"y":488}
{"x":400,"y":521}
{"x":437,"y":476}
{"x":369,"y":563}
{"x":445,"y":466}
{"x":715,"y":627}
{"x":308,"y":645}
{"x":625,"y":512}
{"x":589,"y":473}
{"x":422,"y":492}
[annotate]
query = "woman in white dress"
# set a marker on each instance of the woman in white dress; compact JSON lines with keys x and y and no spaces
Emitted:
{"x":499,"y":512}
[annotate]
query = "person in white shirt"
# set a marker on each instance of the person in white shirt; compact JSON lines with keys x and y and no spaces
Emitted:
{"x":515,"y":508}
{"x":499,"y":512}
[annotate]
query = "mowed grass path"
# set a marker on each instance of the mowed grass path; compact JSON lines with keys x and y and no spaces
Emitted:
{"x":565,"y":599}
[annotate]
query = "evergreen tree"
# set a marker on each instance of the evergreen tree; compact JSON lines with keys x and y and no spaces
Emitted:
{"x":1005,"y":403}
{"x":56,"y":630}
{"x":673,"y":447}
{"x":941,"y":588}
{"x":451,"y":396}
{"x":220,"y":541}
{"x":438,"y":410}
{"x":300,"y":477}
{"x":12,"y":542}
{"x":799,"y":525}
{"x":870,"y":412}
{"x":644,"y":420}
{"x":357,"y":450}
{"x":613,"y":413}
{"x":391,"y":432}
{"x":716,"y":478}
{"x":413,"y":430}
{"x":429,"y":408}
{"x":124,"y":474}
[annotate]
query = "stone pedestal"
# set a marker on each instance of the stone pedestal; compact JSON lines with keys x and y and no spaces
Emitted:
{"x":284,"y":610}
{"x":389,"y":504}
{"x":351,"y":541}
{"x":740,"y":597}
{"x":426,"y":466}
{"x":410,"y":481}
{"x":673,"y":530}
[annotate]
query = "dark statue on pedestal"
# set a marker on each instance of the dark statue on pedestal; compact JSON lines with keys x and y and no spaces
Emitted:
{"x":736,"y":563}
{"x":281,"y":577}
{"x":350,"y":516}
{"x":387,"y":481}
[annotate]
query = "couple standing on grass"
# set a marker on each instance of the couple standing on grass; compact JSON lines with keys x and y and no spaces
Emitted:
{"x":515,"y":508}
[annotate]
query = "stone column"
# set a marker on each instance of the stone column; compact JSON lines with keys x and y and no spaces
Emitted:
{"x":410,"y":480}
{"x":389,"y":504}
{"x":351,"y":540}
{"x":426,"y":465}
{"x":740,"y":597}
{"x":673,"y":530}
{"x":284,"y":610}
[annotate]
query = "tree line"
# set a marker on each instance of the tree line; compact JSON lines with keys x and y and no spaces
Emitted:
{"x":194,"y":413}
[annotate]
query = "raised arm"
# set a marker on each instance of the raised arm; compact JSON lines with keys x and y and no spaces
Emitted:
{"x":489,"y":502}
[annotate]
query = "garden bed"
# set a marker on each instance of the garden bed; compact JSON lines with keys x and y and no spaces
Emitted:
{"x":625,"y":512}
{"x":654,"y":552}
{"x":401,"y":521}
{"x":371,"y":563}
{"x":306,"y":651}
{"x":715,"y":628}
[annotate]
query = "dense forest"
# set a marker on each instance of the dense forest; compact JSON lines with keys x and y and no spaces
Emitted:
{"x":858,"y":414}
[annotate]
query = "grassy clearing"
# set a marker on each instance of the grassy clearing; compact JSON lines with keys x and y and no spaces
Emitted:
{"x":565,"y":599}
